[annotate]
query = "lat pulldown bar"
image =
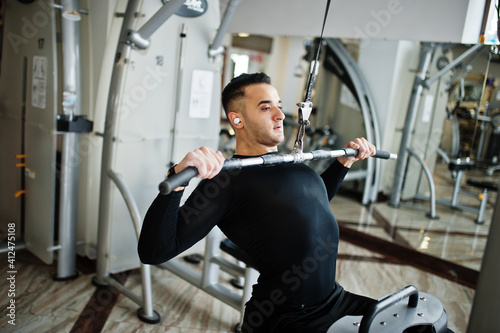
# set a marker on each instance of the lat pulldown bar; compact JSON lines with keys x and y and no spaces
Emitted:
{"x":235,"y":163}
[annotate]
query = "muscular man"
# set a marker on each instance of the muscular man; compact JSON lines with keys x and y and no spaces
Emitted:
{"x":278,"y":215}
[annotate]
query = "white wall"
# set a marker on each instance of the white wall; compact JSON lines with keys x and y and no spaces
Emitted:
{"x":387,"y":68}
{"x":285,"y":55}
{"x":456,"y":21}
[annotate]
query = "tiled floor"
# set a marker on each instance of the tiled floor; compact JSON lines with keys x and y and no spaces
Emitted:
{"x":382,"y":250}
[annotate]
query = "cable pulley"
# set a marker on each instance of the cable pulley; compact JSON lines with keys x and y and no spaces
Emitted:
{"x":305,"y":107}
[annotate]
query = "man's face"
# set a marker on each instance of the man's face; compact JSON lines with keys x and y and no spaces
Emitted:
{"x":263,"y":115}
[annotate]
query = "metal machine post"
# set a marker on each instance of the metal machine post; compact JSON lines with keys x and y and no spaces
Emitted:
{"x":68,"y":203}
{"x":425,"y":59}
{"x":110,"y":127}
{"x":215,"y":48}
{"x":127,"y":40}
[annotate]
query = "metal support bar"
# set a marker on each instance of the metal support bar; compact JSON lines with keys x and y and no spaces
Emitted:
{"x":68,"y":203}
{"x":215,"y":48}
{"x":476,"y":48}
{"x":229,"y":267}
{"x":411,"y":114}
{"x":110,"y":132}
{"x":208,"y":279}
{"x":66,"y":257}
{"x":454,"y":202}
{"x":147,"y":300}
{"x":136,"y":299}
{"x":108,"y":149}
{"x":180,"y":73}
{"x":443,"y":155}
{"x":211,"y":272}
{"x":117,"y":84}
{"x":129,"y":201}
{"x":196,"y":279}
{"x":430,"y":179}
{"x":139,"y":39}
{"x":153,"y":319}
{"x":482,"y":207}
{"x":456,"y":189}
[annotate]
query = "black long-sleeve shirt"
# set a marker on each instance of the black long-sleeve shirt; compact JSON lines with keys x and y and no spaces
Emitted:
{"x":278,"y":215}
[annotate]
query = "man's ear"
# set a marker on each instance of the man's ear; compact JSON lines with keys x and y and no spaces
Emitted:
{"x":235,"y":119}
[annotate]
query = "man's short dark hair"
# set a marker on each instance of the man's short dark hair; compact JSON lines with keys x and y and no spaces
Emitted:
{"x":236,"y":88}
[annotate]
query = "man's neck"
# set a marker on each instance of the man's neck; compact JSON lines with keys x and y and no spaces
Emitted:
{"x":255,"y":150}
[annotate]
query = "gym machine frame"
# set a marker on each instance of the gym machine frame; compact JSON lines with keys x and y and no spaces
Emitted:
{"x":71,"y":124}
{"x":405,"y":152}
{"x":458,"y":168}
{"x":131,"y":39}
{"x":128,"y":39}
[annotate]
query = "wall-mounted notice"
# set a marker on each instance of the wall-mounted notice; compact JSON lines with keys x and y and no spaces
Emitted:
{"x":200,"y":99}
{"x":38,"y":87}
{"x":427,"y":109}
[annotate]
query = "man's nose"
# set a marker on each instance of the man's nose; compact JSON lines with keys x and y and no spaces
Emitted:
{"x":279,"y":115}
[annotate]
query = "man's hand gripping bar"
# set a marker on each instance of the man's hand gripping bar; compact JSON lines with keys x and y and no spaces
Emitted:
{"x":168,"y":185}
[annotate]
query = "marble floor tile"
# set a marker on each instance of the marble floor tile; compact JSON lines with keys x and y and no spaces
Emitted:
{"x":376,"y":279}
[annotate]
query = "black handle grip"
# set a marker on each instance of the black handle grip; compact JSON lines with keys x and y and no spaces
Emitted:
{"x":384,"y":303}
{"x":168,"y":185}
{"x":382,"y":154}
{"x":378,"y":154}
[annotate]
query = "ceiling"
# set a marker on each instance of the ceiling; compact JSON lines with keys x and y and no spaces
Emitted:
{"x":455,"y":21}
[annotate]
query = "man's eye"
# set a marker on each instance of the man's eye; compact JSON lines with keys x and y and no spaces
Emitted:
{"x":269,"y":107}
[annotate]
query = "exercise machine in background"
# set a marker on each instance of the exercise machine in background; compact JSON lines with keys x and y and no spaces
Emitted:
{"x":460,"y":163}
